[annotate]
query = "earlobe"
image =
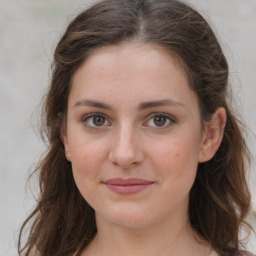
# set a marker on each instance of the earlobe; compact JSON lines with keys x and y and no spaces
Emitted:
{"x":67,"y":152}
{"x":213,"y":134}
{"x":64,"y":140}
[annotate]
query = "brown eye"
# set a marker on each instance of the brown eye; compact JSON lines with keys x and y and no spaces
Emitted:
{"x":160,"y":120}
{"x":98,"y":120}
{"x":95,"y":120}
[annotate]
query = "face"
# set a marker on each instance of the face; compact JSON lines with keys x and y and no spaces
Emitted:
{"x":134,"y":135}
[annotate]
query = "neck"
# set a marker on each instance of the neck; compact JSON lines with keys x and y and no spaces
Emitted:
{"x":162,"y":239}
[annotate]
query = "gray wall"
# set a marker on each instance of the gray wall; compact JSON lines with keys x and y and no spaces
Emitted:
{"x":29,"y":31}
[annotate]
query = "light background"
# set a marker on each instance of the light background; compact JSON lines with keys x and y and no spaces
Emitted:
{"x":29,"y":31}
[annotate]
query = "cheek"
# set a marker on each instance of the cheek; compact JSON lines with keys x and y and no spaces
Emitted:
{"x":87,"y":157}
{"x":177,"y":159}
{"x":87,"y":161}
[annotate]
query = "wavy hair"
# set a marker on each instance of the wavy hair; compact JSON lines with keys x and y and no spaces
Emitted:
{"x":62,"y":222}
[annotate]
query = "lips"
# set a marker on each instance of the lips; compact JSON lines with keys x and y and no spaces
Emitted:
{"x":127,"y":186}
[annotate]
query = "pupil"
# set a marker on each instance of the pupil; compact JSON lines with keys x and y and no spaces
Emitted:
{"x":160,"y":120}
{"x":98,"y":120}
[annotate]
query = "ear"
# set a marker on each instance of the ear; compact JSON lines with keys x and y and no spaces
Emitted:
{"x":64,"y":140}
{"x":212,"y":135}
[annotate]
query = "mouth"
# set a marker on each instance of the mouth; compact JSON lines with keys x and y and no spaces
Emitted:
{"x":127,"y":186}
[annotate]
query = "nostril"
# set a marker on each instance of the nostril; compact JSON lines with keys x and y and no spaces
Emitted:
{"x":122,"y":160}
{"x":126,"y":157}
{"x":125,"y":150}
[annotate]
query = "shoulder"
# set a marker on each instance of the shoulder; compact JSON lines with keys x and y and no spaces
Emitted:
{"x":239,"y":253}
{"x":245,"y":253}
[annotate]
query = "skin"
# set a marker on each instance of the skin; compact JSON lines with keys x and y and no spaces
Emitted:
{"x":127,"y":140}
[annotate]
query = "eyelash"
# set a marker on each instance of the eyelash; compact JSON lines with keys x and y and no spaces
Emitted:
{"x":92,"y":115}
{"x":168,"y":117}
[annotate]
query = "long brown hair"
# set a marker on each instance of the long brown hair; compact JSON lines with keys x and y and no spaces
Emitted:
{"x":62,"y":221}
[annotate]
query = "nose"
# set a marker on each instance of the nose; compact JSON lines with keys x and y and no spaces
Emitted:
{"x":126,"y":150}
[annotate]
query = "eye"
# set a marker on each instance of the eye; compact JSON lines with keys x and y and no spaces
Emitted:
{"x":160,"y":120}
{"x":95,"y":120}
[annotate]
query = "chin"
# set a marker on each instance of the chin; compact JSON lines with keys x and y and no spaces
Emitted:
{"x":127,"y":218}
{"x":131,"y":223}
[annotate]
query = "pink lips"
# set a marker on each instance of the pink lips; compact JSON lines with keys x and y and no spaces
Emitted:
{"x":127,"y":186}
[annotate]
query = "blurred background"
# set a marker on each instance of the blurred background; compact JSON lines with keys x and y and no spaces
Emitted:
{"x":29,"y":31}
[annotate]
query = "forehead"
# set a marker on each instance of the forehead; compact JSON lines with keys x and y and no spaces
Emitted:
{"x":131,"y":71}
{"x":147,"y":55}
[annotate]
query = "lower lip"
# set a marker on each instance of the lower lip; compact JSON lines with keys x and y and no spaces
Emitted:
{"x":128,"y":189}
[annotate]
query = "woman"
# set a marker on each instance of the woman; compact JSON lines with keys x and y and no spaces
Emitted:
{"x":146,"y":157}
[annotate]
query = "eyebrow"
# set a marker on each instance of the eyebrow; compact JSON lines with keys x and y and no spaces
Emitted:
{"x":92,"y":103}
{"x":142,"y":106}
{"x":159,"y":103}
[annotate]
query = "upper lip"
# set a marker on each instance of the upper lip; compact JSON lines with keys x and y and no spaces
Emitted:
{"x":126,"y":182}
